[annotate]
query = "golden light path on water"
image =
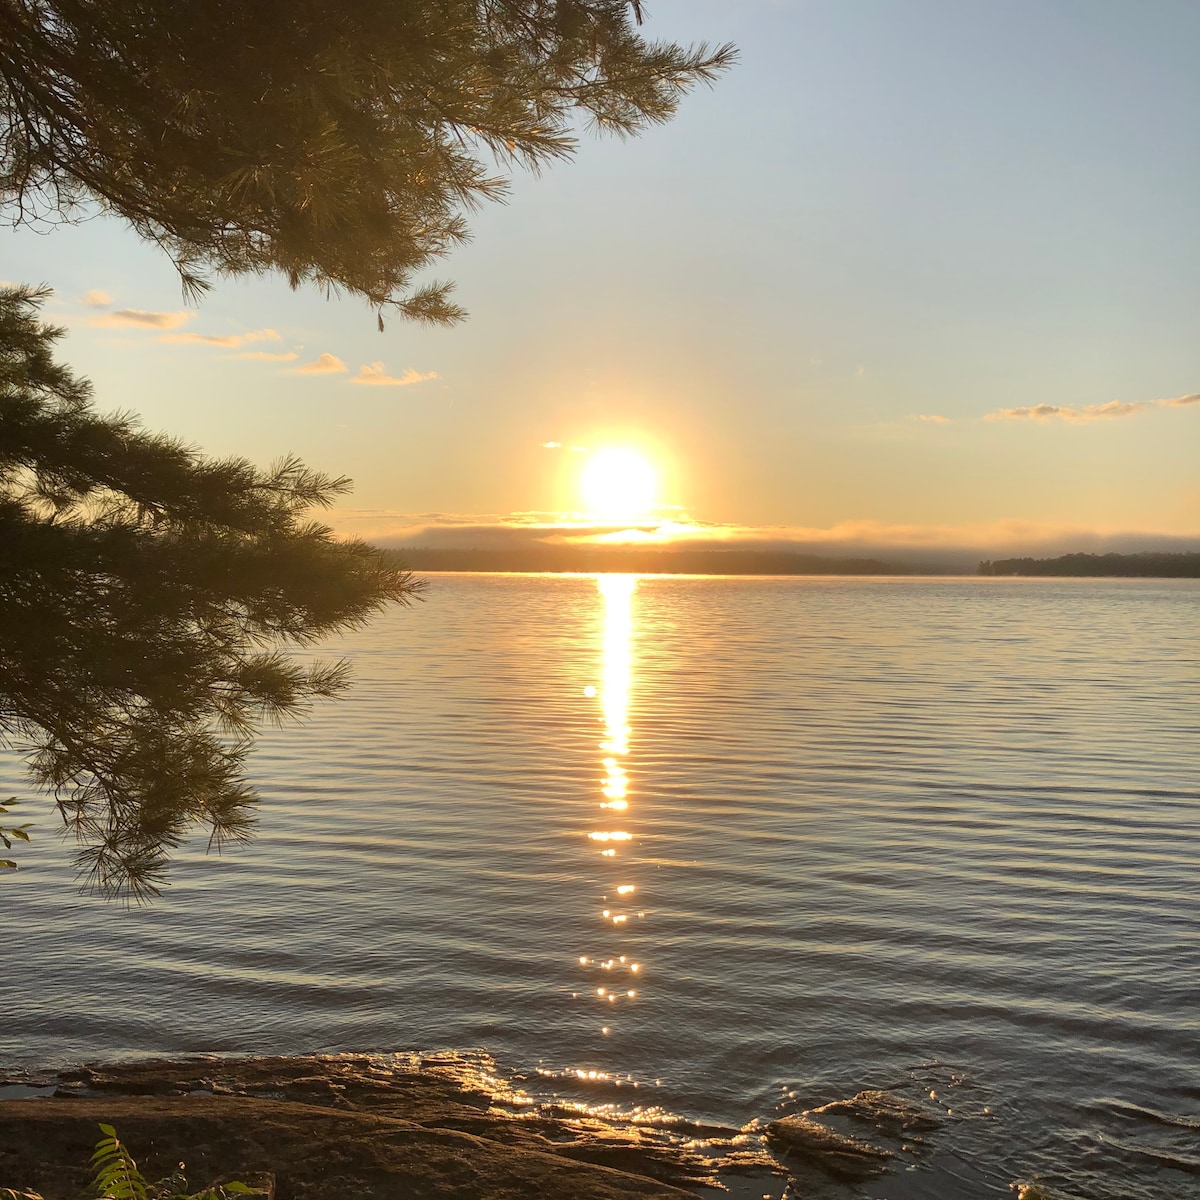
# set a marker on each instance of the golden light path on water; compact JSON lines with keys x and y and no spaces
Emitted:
{"x":618,"y":971}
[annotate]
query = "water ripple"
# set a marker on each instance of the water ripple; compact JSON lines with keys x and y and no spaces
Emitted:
{"x":848,"y":832}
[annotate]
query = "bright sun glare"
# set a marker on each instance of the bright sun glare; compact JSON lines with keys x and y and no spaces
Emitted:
{"x":618,"y":485}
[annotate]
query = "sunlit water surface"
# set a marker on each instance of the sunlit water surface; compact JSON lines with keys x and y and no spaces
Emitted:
{"x":728,"y":847}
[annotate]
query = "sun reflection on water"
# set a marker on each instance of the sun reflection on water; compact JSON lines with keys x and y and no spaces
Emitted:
{"x":616,"y":592}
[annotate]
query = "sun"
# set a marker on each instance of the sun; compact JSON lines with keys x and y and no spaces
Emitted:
{"x":618,"y":485}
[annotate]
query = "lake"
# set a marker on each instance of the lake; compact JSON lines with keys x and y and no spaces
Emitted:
{"x":721,"y":847}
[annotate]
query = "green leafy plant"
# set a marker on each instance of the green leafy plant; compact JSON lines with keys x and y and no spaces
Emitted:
{"x":117,"y":1175}
{"x":118,"y":1178}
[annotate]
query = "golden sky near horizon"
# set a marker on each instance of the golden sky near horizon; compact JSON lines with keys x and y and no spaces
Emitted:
{"x":911,"y":274}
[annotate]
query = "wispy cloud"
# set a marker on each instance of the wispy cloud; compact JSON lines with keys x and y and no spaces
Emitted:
{"x":226,"y":341}
{"x":97,"y":298}
{"x":141,"y":318}
{"x":552,"y":445}
{"x":1088,"y":412}
{"x":268,"y":356}
{"x":374,"y":374}
{"x":1064,"y":412}
{"x":930,"y":418}
{"x":325,"y":364}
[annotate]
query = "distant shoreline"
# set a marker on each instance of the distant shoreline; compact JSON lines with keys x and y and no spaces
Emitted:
{"x":1146,"y":565}
{"x":575,"y":560}
{"x":599,"y":560}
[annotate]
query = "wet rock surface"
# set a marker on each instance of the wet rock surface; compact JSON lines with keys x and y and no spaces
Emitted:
{"x":830,"y":1148}
{"x":838,"y":1154}
{"x":386,"y":1127}
{"x":337,"y":1127}
{"x":885,"y":1111}
{"x":312,"y":1152}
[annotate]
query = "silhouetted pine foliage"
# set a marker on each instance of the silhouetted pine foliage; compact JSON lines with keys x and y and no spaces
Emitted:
{"x":147,"y":594}
{"x":338,"y":143}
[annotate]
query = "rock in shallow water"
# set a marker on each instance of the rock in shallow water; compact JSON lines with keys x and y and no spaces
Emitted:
{"x":834,"y":1153}
{"x":887,"y":1112}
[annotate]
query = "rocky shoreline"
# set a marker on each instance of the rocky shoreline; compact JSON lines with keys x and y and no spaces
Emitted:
{"x":395,"y":1128}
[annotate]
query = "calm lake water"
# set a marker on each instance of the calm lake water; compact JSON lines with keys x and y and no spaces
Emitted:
{"x":728,"y":847}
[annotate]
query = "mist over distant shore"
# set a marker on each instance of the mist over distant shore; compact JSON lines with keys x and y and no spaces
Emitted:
{"x":623,"y":560}
{"x":664,"y":561}
{"x":436,"y":542}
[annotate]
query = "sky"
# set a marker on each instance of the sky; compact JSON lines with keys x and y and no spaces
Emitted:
{"x":912,"y":274}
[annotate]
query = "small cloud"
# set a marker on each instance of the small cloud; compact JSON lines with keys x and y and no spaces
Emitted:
{"x":97,"y":298}
{"x":859,"y":371}
{"x":552,"y":445}
{"x":931,"y":418}
{"x":373,"y":373}
{"x":1181,"y":401}
{"x":227,"y":341}
{"x":580,"y":450}
{"x":202,"y":339}
{"x":267,"y":356}
{"x":140,"y":318}
{"x":1037,"y":412}
{"x":326,"y":364}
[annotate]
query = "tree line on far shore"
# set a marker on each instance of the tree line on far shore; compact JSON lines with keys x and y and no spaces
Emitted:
{"x":667,"y":560}
{"x":1145,"y":564}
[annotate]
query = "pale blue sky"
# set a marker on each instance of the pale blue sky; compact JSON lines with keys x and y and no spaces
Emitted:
{"x":887,"y":210}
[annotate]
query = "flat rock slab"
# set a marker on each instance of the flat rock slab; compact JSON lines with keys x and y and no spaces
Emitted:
{"x":314,"y":1152}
